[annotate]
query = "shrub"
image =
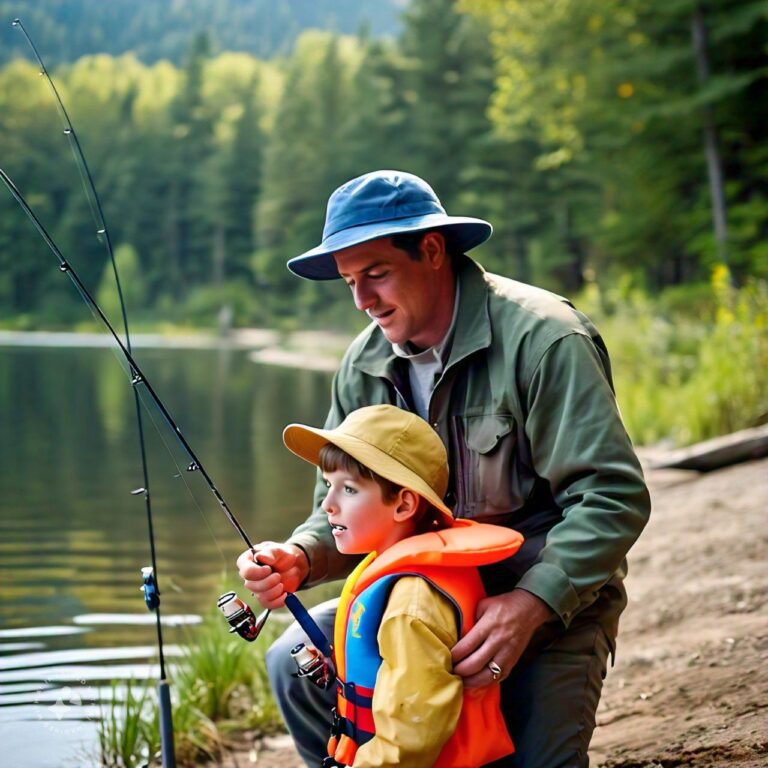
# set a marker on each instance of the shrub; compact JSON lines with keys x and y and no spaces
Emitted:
{"x":685,"y":376}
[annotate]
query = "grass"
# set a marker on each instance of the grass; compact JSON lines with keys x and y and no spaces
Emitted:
{"x":124,"y":737}
{"x":226,"y":677}
{"x":218,"y":686}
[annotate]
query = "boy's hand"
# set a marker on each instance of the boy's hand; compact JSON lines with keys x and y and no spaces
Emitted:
{"x":504,"y":627}
{"x":272,"y":570}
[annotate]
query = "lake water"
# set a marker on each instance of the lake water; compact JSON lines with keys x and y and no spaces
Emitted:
{"x":73,"y":538}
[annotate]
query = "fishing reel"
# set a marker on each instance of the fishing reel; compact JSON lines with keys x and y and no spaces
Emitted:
{"x":149,"y":588}
{"x":240,"y":617}
{"x":313,"y":666}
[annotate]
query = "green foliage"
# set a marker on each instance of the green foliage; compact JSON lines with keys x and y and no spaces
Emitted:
{"x":224,"y":676}
{"x":131,"y":284}
{"x":220,"y":306}
{"x":575,"y":127}
{"x":686,"y":376}
{"x":608,"y":94}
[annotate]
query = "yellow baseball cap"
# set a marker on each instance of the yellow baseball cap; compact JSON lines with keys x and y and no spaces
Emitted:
{"x":395,"y":444}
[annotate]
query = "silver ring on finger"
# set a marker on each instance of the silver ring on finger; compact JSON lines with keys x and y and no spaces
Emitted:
{"x":495,"y":670}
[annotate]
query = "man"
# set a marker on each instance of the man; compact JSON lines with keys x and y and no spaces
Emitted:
{"x":517,"y":383}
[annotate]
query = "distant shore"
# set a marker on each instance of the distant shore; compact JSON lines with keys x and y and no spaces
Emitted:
{"x":310,"y":350}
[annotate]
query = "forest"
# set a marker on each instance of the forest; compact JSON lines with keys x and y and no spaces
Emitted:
{"x":162,"y":30}
{"x":618,"y":148}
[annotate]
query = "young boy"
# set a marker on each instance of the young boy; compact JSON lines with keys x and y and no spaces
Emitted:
{"x":408,"y":601}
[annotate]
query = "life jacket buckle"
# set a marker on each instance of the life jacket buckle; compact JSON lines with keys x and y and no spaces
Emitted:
{"x":336,"y":723}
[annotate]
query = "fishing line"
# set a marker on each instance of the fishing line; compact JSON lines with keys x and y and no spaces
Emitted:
{"x":182,"y":475}
{"x":86,"y":179}
{"x":137,"y":376}
{"x":162,"y":428}
{"x":103,"y":234}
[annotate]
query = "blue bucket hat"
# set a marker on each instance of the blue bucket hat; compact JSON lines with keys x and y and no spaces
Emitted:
{"x":380,"y":204}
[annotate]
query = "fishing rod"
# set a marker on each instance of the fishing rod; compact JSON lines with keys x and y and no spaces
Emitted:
{"x":238,"y":614}
{"x":151,"y":583}
{"x":251,"y":626}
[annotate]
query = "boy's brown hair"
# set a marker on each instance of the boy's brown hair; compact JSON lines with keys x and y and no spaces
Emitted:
{"x":333,"y":459}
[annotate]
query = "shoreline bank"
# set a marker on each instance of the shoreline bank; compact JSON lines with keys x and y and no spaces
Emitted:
{"x":309,"y":350}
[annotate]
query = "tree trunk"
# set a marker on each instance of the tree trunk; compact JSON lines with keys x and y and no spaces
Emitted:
{"x":711,"y":144}
{"x":570,"y":273}
{"x":219,"y":254}
{"x":175,"y":274}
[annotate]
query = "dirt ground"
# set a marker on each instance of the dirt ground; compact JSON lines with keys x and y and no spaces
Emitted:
{"x":690,"y":684}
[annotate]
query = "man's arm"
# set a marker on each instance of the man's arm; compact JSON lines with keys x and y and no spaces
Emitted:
{"x":579,"y":445}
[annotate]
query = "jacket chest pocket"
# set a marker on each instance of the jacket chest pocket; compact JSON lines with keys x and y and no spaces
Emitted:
{"x":487,"y":481}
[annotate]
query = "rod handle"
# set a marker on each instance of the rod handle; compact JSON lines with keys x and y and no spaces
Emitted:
{"x":308,"y":624}
{"x":166,"y":724}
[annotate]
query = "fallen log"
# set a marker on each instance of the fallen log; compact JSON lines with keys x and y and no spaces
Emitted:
{"x":745,"y":445}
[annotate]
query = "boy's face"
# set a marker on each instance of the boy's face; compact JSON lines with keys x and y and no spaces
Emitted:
{"x":361,"y":520}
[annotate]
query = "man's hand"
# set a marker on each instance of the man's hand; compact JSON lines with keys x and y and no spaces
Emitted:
{"x":504,"y":627}
{"x":272,"y":570}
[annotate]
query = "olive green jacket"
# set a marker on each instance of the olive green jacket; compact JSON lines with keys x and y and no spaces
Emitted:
{"x":526,"y":409}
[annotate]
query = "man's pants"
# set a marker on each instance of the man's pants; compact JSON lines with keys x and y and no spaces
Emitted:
{"x":549,"y":701}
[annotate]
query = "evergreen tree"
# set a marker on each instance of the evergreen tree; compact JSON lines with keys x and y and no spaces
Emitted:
{"x":577,"y":127}
{"x":449,"y":82}
{"x":242,"y":174}
{"x":375,"y":130}
{"x":303,"y":163}
{"x":609,"y":92}
{"x":190,"y":240}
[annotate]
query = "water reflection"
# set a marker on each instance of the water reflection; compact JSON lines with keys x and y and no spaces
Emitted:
{"x":73,"y":538}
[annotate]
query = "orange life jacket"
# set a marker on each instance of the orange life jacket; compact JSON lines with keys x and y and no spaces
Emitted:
{"x":448,"y":560}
